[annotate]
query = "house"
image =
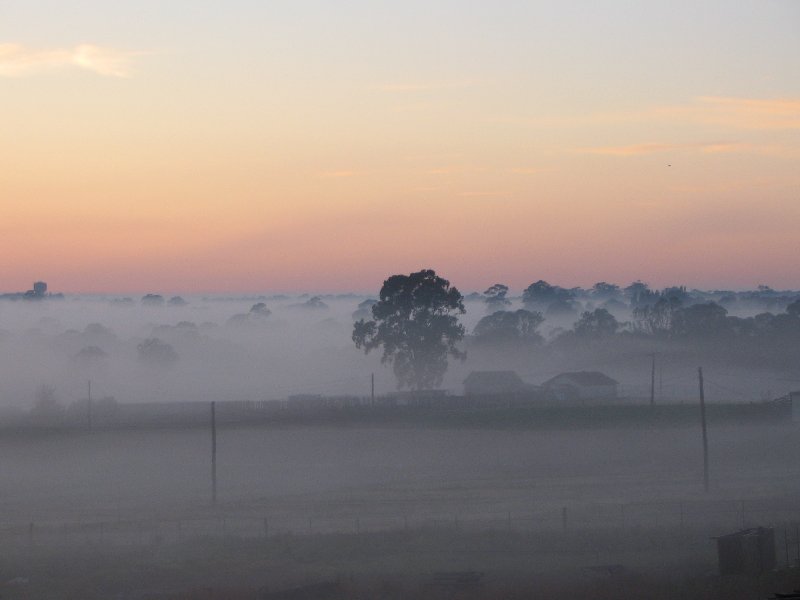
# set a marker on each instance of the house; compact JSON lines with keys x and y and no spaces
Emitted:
{"x":582,"y":385}
{"x":492,"y":383}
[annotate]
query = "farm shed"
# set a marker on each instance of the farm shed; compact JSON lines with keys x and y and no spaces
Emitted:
{"x":749,"y":551}
{"x":581,"y":385}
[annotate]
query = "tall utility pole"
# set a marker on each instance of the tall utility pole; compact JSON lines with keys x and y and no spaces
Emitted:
{"x":705,"y":433}
{"x":372,"y":395}
{"x":213,"y":454}
{"x":653,"y":381}
{"x":89,"y":407}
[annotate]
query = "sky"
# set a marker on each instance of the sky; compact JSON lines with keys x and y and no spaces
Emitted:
{"x":272,"y":146}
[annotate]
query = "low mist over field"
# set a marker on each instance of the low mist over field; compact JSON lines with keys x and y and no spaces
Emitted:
{"x":271,"y":347}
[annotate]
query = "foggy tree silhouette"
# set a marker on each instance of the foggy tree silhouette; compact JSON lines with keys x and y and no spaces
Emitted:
{"x":605,"y":291}
{"x":177,"y":301}
{"x":596,"y":324}
{"x":153,"y":300}
{"x":541,"y":294}
{"x":656,"y":319}
{"x":503,"y":327}
{"x":639,"y":294}
{"x":154,"y":352}
{"x":260,"y":310}
{"x":90,"y":355}
{"x":416,"y":323}
{"x":707,"y":320}
{"x":364,"y":310}
{"x":495,"y":297}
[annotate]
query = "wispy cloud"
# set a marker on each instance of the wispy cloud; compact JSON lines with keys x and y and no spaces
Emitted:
{"x":18,"y":61}
{"x":751,"y":113}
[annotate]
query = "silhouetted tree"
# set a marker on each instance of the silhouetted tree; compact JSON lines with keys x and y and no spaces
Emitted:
{"x":598,"y":323}
{"x":503,"y":327}
{"x":639,"y":294}
{"x":603,"y":291}
{"x":260,"y":310}
{"x":313,"y":303}
{"x":495,"y":297}
{"x":656,"y":319}
{"x":541,"y":294}
{"x":154,"y":352}
{"x":91,"y":355}
{"x":677,"y":293}
{"x":708,"y":320}
{"x":153,"y":300}
{"x":257,"y":315}
{"x":416,"y":324}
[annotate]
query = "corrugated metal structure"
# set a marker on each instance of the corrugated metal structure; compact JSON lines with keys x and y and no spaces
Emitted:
{"x":750,"y":551}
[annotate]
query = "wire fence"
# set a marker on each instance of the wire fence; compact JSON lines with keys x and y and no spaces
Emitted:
{"x":709,"y":515}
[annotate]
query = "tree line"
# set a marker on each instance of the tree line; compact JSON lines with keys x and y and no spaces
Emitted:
{"x":416,"y":323}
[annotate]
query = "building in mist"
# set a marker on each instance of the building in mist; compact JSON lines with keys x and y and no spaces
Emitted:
{"x":750,"y":551}
{"x":582,"y":385}
{"x":39,"y":290}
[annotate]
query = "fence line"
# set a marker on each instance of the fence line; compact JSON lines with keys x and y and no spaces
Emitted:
{"x":722,"y":516}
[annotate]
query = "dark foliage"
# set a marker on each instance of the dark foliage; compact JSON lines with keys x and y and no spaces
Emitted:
{"x":416,"y":323}
{"x":495,"y":297}
{"x":509,"y":327}
{"x":154,"y":352}
{"x":596,"y":324}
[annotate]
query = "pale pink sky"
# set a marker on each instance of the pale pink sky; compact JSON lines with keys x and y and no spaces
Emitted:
{"x":250,"y":147}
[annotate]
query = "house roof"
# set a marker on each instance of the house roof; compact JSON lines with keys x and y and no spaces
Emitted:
{"x":585,"y":378}
{"x":493,"y":378}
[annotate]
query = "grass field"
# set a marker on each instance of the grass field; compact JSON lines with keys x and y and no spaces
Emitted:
{"x":388,"y":504}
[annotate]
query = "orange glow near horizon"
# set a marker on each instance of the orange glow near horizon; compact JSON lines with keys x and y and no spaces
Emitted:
{"x":285,"y":160}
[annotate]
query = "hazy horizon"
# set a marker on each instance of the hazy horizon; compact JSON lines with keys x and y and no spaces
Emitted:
{"x":514,"y":291}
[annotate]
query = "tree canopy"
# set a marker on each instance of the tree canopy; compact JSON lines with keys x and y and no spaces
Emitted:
{"x":415,"y":322}
{"x":503,"y":327}
{"x":495,"y":297}
{"x":596,"y":324}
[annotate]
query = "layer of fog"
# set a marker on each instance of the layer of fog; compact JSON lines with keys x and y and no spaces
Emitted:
{"x":225,"y":350}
